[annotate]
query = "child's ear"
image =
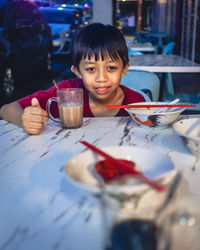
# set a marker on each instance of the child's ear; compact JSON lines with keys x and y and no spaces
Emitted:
{"x":125,"y":69}
{"x":76,"y":71}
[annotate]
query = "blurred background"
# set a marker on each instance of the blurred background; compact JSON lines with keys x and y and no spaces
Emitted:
{"x":36,"y":37}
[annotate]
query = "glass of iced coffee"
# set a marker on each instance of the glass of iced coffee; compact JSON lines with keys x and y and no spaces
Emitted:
{"x":70,"y":105}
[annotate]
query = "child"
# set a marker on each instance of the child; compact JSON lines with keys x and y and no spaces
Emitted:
{"x":100,"y":60}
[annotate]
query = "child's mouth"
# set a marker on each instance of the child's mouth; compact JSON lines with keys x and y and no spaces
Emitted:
{"x":102,"y":90}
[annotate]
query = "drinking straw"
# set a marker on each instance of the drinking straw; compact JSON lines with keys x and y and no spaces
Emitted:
{"x":54,"y":82}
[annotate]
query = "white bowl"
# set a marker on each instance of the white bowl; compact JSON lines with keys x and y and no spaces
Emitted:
{"x":81,"y":172}
{"x":189,"y":132}
{"x":149,"y":117}
{"x":129,"y":196}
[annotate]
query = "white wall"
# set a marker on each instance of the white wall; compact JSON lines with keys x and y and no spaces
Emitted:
{"x":102,"y":11}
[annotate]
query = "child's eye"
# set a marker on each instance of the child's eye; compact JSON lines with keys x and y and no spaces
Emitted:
{"x":90,"y":69}
{"x":112,"y":68}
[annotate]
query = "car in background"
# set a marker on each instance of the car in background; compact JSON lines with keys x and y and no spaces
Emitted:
{"x":78,"y":8}
{"x":41,"y":2}
{"x":64,"y":23}
{"x":85,"y":16}
{"x":25,"y":46}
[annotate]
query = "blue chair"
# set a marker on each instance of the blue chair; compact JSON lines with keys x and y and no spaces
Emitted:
{"x":141,"y":39}
{"x":169,"y":49}
{"x":144,"y":82}
{"x":128,"y":41}
{"x":134,"y":52}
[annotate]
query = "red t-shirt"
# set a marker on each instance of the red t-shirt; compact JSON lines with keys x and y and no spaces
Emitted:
{"x":130,"y":96}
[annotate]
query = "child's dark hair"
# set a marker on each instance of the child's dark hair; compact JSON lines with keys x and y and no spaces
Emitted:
{"x":99,"y":40}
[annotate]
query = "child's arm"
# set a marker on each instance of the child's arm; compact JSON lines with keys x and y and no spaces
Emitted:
{"x":12,"y":112}
{"x":32,"y":118}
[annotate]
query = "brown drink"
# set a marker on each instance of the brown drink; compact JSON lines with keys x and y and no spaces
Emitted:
{"x":70,"y":103}
{"x":71,"y":115}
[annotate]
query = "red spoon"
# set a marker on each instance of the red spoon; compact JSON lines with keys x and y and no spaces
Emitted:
{"x":126,"y":167}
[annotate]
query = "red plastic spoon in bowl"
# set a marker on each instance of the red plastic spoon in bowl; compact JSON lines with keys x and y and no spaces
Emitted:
{"x":123,"y":167}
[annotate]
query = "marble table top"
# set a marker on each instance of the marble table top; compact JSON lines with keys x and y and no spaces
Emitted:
{"x":143,"y":47}
{"x":163,"y":63}
{"x":40,"y":208}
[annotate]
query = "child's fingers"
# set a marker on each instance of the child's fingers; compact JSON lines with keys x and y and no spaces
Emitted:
{"x":35,"y":110}
{"x":34,"y":117}
{"x":38,"y":111}
{"x":33,"y":127}
{"x":37,"y":118}
{"x":33,"y":131}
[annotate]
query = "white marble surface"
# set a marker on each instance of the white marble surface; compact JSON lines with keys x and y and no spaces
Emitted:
{"x":40,"y":209}
{"x":143,"y":47}
{"x":163,"y":63}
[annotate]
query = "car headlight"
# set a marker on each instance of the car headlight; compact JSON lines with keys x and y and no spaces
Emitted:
{"x":56,"y":36}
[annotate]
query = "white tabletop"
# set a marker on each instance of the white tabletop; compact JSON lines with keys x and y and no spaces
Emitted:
{"x":163,"y":63}
{"x":143,"y":47}
{"x":40,"y":209}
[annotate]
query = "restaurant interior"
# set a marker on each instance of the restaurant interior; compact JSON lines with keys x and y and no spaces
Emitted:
{"x":111,"y":182}
{"x":165,"y":28}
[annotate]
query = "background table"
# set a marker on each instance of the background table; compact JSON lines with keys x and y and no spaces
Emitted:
{"x":163,"y":64}
{"x":142,"y":47}
{"x":40,"y":208}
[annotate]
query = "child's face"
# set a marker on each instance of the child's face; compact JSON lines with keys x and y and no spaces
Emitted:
{"x":101,"y":78}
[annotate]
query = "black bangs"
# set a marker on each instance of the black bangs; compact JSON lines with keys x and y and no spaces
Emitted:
{"x":101,"y":53}
{"x":99,"y":41}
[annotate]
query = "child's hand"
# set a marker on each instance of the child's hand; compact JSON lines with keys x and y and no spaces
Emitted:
{"x":34,"y":117}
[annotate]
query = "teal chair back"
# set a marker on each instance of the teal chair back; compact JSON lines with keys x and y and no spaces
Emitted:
{"x":134,"y":52}
{"x":143,"y":81}
{"x":141,"y":39}
{"x":169,"y":48}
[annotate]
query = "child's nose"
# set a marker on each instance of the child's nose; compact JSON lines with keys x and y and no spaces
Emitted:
{"x":101,"y":76}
